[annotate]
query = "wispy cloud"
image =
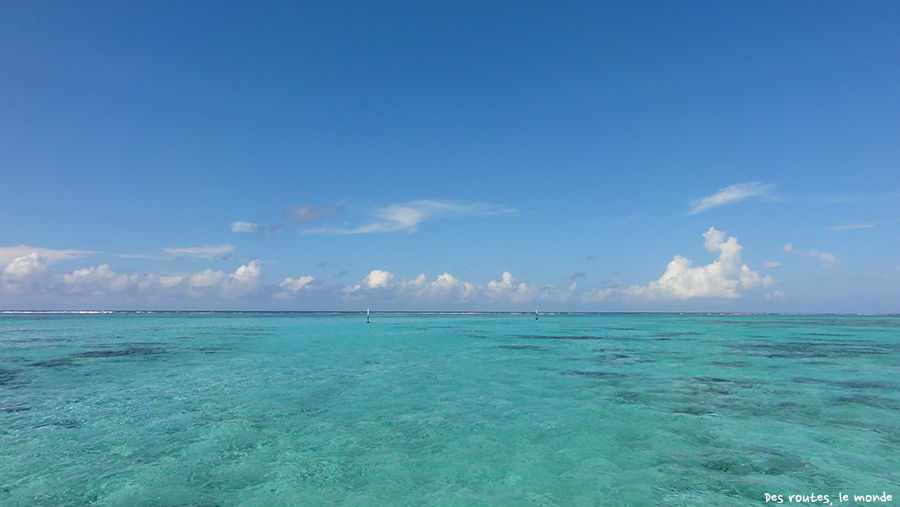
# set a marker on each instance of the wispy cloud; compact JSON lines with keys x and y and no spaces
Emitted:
{"x":825,"y":259}
{"x":731,"y":194}
{"x":251,"y":228}
{"x":407,"y":216}
{"x":295,"y":285}
{"x":51,"y":256}
{"x":143,"y":256}
{"x":308,"y":212}
{"x":219,"y":252}
{"x":852,"y":226}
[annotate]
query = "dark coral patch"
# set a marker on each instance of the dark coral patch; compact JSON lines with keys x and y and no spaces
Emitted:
{"x":521,"y":347}
{"x":551,"y":337}
{"x":16,"y":407}
{"x":133,"y":351}
{"x":53,"y":363}
{"x":599,"y":374}
{"x":10,"y":378}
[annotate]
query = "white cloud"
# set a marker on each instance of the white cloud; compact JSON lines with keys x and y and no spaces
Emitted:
{"x":775,"y":295}
{"x":102,"y":280}
{"x":27,"y":275}
{"x":206,"y":278}
{"x":445,"y":288}
{"x":825,"y":259}
{"x":24,"y":272}
{"x":407,"y":216}
{"x":597,"y":295}
{"x":244,"y":227}
{"x":243,"y":281}
{"x":551,"y":293}
{"x":852,"y":226}
{"x":26,"y":266}
{"x":448,"y":287}
{"x":508,"y":286}
{"x":308,"y":212}
{"x":251,"y":228}
{"x":445,"y":282}
{"x":377,"y":279}
{"x":143,"y":256}
{"x":731,"y":194}
{"x":496,"y":288}
{"x":295,"y":285}
{"x":9,"y":254}
{"x":770,"y":265}
{"x":98,"y":280}
{"x":156,"y":281}
{"x":721,"y":279}
{"x":204,"y":252}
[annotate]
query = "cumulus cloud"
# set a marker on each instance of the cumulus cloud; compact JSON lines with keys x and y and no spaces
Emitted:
{"x":597,"y":295}
{"x":103,"y":280}
{"x":156,"y":281}
{"x":721,"y":279}
{"x":293,"y":287}
{"x":219,"y":252}
{"x":445,"y":288}
{"x":9,"y":254}
{"x":98,"y":280}
{"x":407,"y":216}
{"x":770,"y":265}
{"x":551,"y":293}
{"x":446,"y":284}
{"x":507,"y":286}
{"x":308,"y":212}
{"x":27,"y":275}
{"x":825,"y":259}
{"x":731,"y":194}
{"x":26,"y":266}
{"x":251,"y":228}
{"x":24,"y":272}
{"x":243,"y":281}
{"x":376,"y":279}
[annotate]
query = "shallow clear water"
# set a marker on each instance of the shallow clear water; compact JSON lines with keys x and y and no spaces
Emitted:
{"x":570,"y":410}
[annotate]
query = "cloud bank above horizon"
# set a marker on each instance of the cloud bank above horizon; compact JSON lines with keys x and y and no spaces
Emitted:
{"x":726,"y":278}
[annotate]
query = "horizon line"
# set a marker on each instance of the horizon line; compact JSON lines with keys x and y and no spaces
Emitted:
{"x":437,"y":312}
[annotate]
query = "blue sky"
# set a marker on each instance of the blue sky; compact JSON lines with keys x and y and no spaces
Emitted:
{"x":583,"y":156}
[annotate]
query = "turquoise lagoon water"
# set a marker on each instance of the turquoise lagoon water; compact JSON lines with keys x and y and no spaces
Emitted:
{"x":493,"y":410}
